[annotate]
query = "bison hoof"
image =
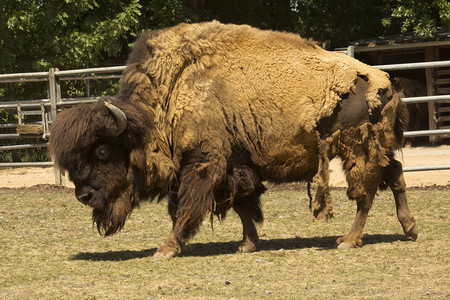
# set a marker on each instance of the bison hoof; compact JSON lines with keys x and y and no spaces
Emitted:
{"x":412,"y":231}
{"x":166,"y":251}
{"x":247,"y":246}
{"x":346,"y":243}
{"x":322,"y":215}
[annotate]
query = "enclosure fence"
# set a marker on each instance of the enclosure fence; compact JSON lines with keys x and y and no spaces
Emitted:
{"x":46,"y":108}
{"x":49,"y":107}
{"x":423,"y":99}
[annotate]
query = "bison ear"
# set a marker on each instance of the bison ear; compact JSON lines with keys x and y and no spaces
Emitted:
{"x":121,"y":119}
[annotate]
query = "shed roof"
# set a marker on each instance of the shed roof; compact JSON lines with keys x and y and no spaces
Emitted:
{"x":402,"y":38}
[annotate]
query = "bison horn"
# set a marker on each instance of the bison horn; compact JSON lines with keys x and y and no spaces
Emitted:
{"x":120,"y":117}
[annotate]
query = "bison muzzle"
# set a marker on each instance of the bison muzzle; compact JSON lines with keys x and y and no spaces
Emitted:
{"x":207,"y":112}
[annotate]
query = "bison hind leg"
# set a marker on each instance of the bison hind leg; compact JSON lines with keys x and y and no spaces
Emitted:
{"x":363,"y":179}
{"x":249,"y":211}
{"x":393,"y":178}
{"x":247,"y":188}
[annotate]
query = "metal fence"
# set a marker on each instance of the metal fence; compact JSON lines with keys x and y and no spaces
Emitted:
{"x":48,"y":107}
{"x":424,"y":99}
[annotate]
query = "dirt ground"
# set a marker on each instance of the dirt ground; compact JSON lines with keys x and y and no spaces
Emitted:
{"x":417,"y":156}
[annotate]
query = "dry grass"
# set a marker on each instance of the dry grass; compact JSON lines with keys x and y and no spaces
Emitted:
{"x":49,"y":250}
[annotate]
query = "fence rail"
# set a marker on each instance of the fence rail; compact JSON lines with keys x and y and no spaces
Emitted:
{"x":55,"y":102}
{"x":438,"y":98}
{"x":412,"y":66}
{"x":23,"y":146}
{"x":28,"y":164}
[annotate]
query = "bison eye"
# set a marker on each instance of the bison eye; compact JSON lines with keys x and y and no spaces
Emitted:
{"x":103,"y":152}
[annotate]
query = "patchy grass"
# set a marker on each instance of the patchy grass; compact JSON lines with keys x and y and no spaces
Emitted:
{"x":50,"y":250}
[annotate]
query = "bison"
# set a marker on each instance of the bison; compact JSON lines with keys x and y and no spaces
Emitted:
{"x":206,"y":112}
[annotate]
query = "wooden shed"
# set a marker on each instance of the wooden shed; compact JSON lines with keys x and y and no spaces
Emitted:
{"x":410,"y":48}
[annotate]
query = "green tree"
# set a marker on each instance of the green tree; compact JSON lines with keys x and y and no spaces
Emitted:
{"x":266,"y":14}
{"x":336,"y":22}
{"x":341,"y":21}
{"x":39,"y":34}
{"x":421,"y":16}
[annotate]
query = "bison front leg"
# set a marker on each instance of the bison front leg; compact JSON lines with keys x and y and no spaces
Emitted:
{"x":173,"y":246}
{"x":393,"y":177}
{"x":186,"y":222}
{"x":189,"y":204}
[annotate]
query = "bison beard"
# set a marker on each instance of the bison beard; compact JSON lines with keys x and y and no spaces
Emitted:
{"x":206,"y":112}
{"x":111,"y":218}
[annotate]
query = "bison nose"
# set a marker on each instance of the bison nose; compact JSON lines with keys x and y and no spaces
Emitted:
{"x":84,"y":194}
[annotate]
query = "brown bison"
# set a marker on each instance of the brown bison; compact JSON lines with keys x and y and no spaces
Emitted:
{"x":206,"y":112}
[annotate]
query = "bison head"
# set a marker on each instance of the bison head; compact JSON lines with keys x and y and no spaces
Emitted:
{"x":100,"y":145}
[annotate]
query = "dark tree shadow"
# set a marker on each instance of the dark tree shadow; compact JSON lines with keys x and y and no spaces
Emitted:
{"x":222,"y":248}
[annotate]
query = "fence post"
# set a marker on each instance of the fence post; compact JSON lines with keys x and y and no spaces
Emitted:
{"x":55,"y":95}
{"x":53,"y":87}
{"x":432,"y":124}
{"x":351,"y":51}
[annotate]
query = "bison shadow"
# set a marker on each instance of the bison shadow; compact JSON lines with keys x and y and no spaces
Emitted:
{"x":223,"y":248}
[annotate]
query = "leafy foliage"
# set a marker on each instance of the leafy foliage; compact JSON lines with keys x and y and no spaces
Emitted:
{"x":36,"y":34}
{"x":421,"y":16}
{"x":265,"y":14}
{"x":341,"y":21}
{"x":338,"y":22}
